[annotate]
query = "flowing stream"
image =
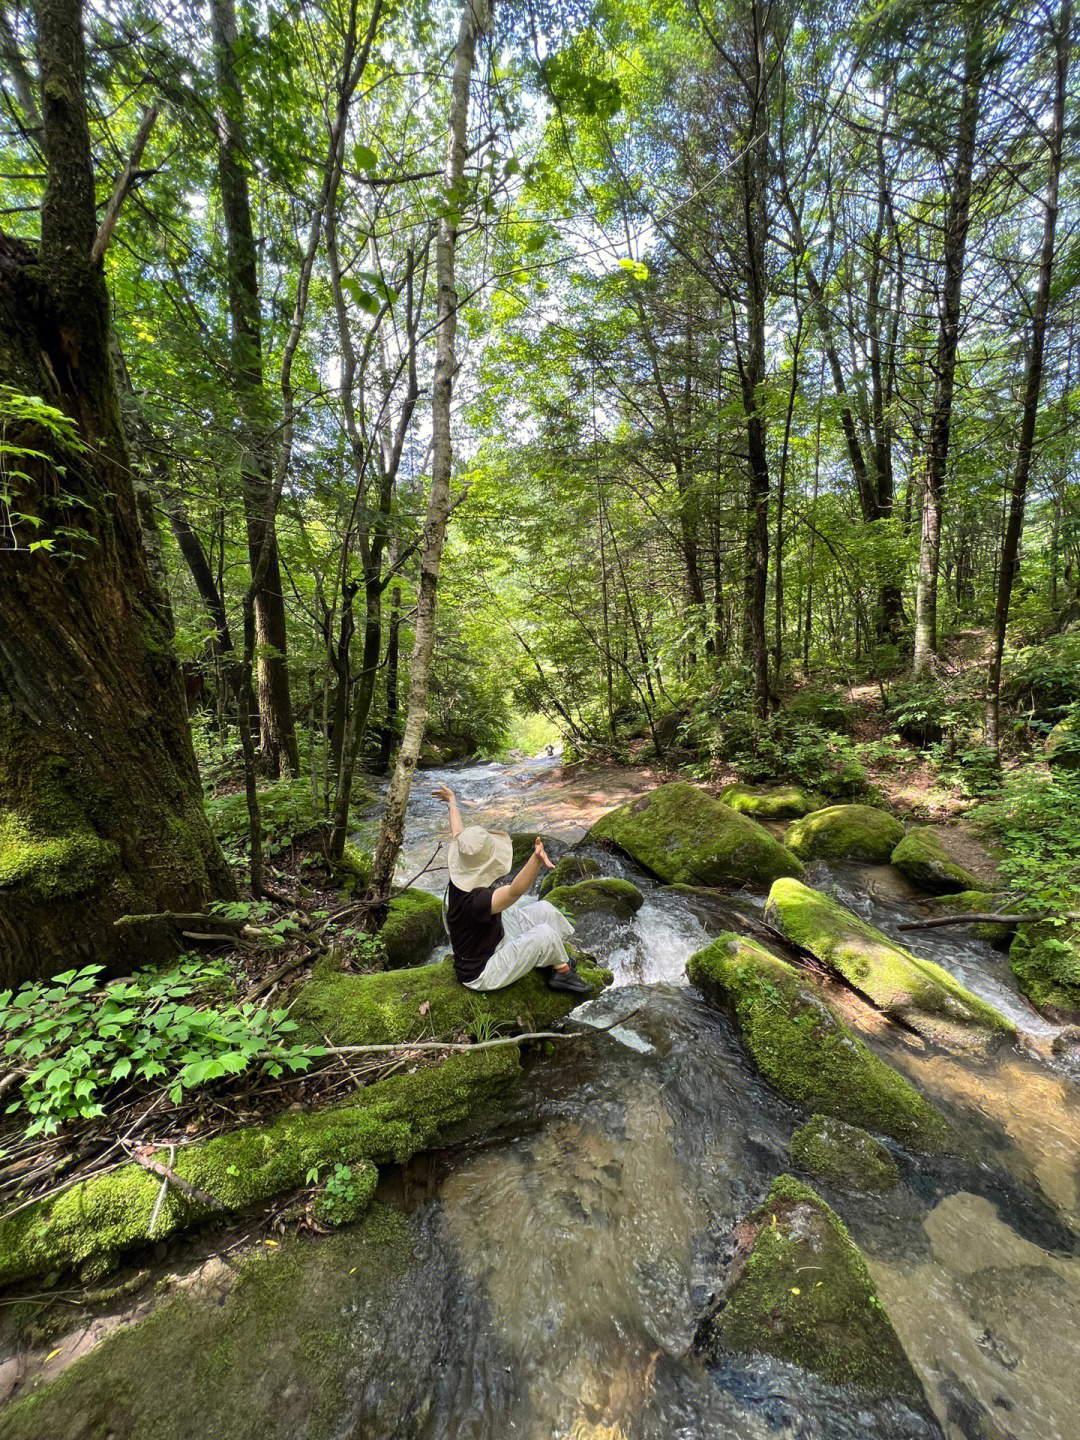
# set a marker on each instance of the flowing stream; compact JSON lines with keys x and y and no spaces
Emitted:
{"x":555,"y":1270}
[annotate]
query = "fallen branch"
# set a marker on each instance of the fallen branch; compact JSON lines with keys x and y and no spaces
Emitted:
{"x":192,"y":1192}
{"x":979,"y":918}
{"x":448,"y":1044}
{"x":183,"y":917}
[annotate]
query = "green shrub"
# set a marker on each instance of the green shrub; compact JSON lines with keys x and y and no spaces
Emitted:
{"x":1043,"y":680}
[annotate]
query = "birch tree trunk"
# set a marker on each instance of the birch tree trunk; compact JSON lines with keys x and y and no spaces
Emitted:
{"x":475,"y":19}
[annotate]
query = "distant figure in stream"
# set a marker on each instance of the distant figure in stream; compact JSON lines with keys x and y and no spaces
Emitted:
{"x":496,"y":933}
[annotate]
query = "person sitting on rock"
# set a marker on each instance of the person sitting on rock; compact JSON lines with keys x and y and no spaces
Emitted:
{"x":497,"y":934}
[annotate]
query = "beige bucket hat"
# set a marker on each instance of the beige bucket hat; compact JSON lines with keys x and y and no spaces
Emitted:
{"x":478,"y":857}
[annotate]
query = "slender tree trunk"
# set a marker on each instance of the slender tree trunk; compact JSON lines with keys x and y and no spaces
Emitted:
{"x":390,"y":728}
{"x":1032,"y":383}
{"x":278,"y":729}
{"x":474,"y":23}
{"x":100,"y":802}
{"x":955,"y":241}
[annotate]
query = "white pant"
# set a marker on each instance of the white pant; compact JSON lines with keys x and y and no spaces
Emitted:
{"x":533,"y":936}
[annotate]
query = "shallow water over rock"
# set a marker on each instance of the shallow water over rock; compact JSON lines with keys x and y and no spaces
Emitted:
{"x":548,"y":1280}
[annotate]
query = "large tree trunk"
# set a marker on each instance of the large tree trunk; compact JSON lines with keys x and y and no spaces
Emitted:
{"x":100,"y":803}
{"x":1033,"y":382}
{"x":278,"y":730}
{"x":955,"y":241}
{"x":474,"y":23}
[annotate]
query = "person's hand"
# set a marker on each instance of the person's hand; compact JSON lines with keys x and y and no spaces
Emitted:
{"x":541,"y":854}
{"x":443,"y":792}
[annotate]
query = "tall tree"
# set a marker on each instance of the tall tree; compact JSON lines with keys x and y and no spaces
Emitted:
{"x":276,"y":724}
{"x":100,"y":802}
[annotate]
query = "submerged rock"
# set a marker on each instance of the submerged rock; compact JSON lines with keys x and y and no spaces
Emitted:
{"x":568,"y":871}
{"x":1046,"y":962}
{"x":911,"y":990}
{"x":618,"y":898}
{"x":844,"y":1155}
{"x":805,"y":1050}
{"x":845,"y":832}
{"x":427,"y":1003}
{"x":387,"y":1122}
{"x":924,"y":858}
{"x":799,"y":1289}
{"x":779,"y":802}
{"x":685,"y":836}
{"x":412,"y":926}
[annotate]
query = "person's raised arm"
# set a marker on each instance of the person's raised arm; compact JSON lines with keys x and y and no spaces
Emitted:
{"x":443,"y":792}
{"x":521,"y":884}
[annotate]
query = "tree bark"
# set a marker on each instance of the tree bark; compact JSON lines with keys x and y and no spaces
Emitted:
{"x":475,"y":19}
{"x":278,"y":729}
{"x":955,"y":241}
{"x":100,"y":802}
{"x":1032,"y":383}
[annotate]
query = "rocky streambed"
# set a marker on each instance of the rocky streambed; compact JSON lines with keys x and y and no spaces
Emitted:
{"x":827,"y":1189}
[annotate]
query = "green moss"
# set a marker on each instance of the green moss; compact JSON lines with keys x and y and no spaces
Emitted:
{"x":800,"y":1290}
{"x":388,"y":1122}
{"x":685,"y":836}
{"x":925,"y":861}
{"x":1063,"y":746}
{"x":844,"y":1155}
{"x":345,"y":1201}
{"x":975,"y":902}
{"x":353,"y":869}
{"x":524,"y":843}
{"x":618,"y":898}
{"x":1046,"y":962}
{"x":568,"y":871}
{"x":66,"y":864}
{"x":805,"y":1050}
{"x":412,"y":926}
{"x":845,"y":832}
{"x":268,"y":1357}
{"x":780,"y":802}
{"x":425,"y":1003}
{"x":911,"y":990}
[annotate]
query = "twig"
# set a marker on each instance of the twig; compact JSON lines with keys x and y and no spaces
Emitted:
{"x":979,"y":918}
{"x":160,"y":1197}
{"x":168,"y":1174}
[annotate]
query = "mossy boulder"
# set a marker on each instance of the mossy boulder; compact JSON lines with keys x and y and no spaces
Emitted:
{"x":412,"y":926}
{"x":618,"y":898}
{"x":524,"y":842}
{"x":388,"y":1122}
{"x":980,"y":902}
{"x":913,"y":991}
{"x":428,"y":1003}
{"x":843,"y":1155}
{"x":799,"y":1289}
{"x":845,"y":832}
{"x":779,"y":802}
{"x":568,"y":871}
{"x":1046,"y":962}
{"x":1062,"y":748}
{"x":685,"y":836}
{"x":924,"y":858}
{"x":805,"y":1050}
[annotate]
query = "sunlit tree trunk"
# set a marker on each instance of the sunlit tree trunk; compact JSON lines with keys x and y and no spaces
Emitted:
{"x":474,"y":23}
{"x":100,"y":802}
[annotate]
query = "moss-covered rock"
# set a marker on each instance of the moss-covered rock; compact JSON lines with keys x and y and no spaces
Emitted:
{"x":347,"y":1194}
{"x":845,"y":832}
{"x":924,"y":858}
{"x":568,"y":871}
{"x":1046,"y":962}
{"x":843,"y":1155}
{"x":805,"y":1050}
{"x":354,"y":869}
{"x":980,"y":902}
{"x":412,"y":926}
{"x":916,"y":992}
{"x":779,"y":802}
{"x":253,"y":1356}
{"x":428,"y":1003}
{"x":387,"y":1122}
{"x":799,"y":1289}
{"x":686,"y":836}
{"x":617,"y":898}
{"x":524,"y":842}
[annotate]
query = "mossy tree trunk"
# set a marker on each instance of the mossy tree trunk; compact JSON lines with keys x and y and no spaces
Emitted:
{"x":100,"y":802}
